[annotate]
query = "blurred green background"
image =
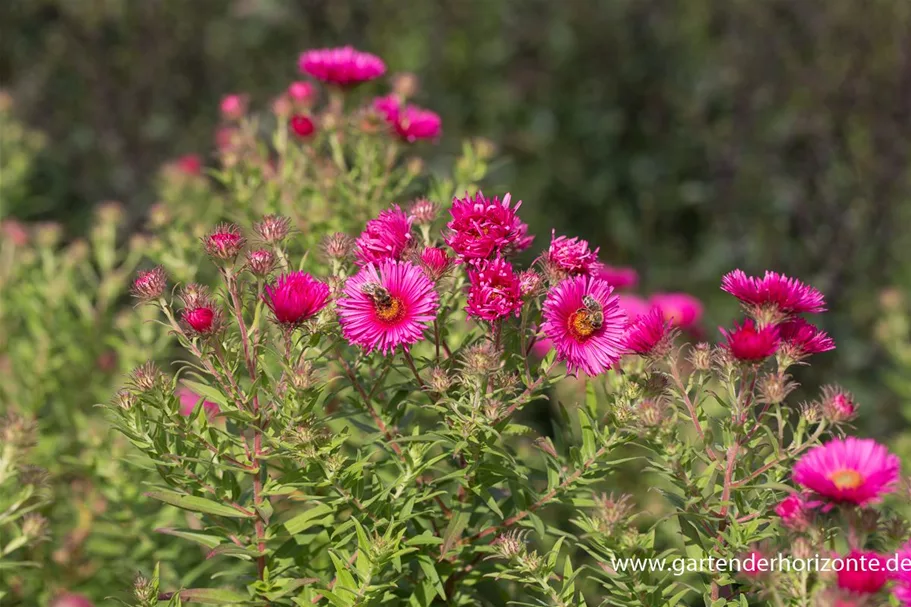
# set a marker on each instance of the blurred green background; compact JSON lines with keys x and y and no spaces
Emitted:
{"x":684,"y":138}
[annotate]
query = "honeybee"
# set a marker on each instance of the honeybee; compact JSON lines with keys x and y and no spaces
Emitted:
{"x":379,"y":294}
{"x":593,"y":312}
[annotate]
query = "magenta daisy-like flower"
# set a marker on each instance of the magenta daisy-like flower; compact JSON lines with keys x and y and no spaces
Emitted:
{"x":386,"y":305}
{"x":224,"y":242}
{"x":435,"y":261}
{"x":632,"y":305}
{"x":343,"y":66}
{"x":385,"y":237}
{"x":794,"y":512}
{"x":775,"y":292}
{"x":749,"y":344}
{"x":295,"y":298}
{"x":618,"y":277}
{"x":388,"y":107}
{"x":495,"y":290}
{"x":413,"y":123}
{"x":482,"y":228}
{"x":582,"y":317}
{"x":803,"y":339}
{"x":680,"y":309}
{"x":571,"y":256}
{"x":649,"y":335}
{"x":848,"y":471}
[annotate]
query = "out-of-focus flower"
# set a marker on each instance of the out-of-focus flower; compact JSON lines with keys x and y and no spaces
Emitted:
{"x":794,"y":512}
{"x":71,"y":599}
{"x":189,"y":400}
{"x":424,"y":211}
{"x":149,"y":285}
{"x":848,"y":471}
{"x":618,"y":277}
{"x":189,"y":164}
{"x":273,"y":228}
{"x":495,"y":292}
{"x":386,"y":237}
{"x":233,"y":107}
{"x":749,"y":344}
{"x":584,"y":320}
{"x":862,"y":572}
{"x":483,"y":228}
{"x":302,"y":125}
{"x":680,"y":309}
{"x":386,"y":305}
{"x":302,"y":93}
{"x":571,"y":256}
{"x":837,"y":405}
{"x":296,"y":297}
{"x":414,"y":123}
{"x":343,"y":66}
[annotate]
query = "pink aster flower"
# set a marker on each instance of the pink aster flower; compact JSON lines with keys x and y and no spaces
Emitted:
{"x":680,"y":309}
{"x":571,"y":256}
{"x":632,"y":305}
{"x":386,"y":237}
{"x":295,"y":297}
{"x":302,"y":125}
{"x":848,"y":471}
{"x":837,"y":405}
{"x":343,"y":66}
{"x":903,"y":576}
{"x":301,"y":92}
{"x":802,"y":339}
{"x":200,"y":319}
{"x":189,"y":164}
{"x":749,"y":344}
{"x":862,"y":572}
{"x":387,"y":107}
{"x":794,"y":512}
{"x":413,"y":123}
{"x":618,"y":277}
{"x":649,"y":335}
{"x":71,"y":599}
{"x":189,"y":400}
{"x":435,"y":261}
{"x":773,"y":295}
{"x":386,"y":305}
{"x":482,"y":228}
{"x":495,"y":290}
{"x":150,"y":284}
{"x":583,"y":318}
{"x":233,"y":107}
{"x":542,"y":346}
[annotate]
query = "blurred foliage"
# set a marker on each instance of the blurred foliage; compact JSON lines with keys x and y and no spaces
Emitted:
{"x":701,"y":134}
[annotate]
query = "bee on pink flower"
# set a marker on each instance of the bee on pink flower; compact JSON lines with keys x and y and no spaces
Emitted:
{"x":484,"y":228}
{"x":849,"y":471}
{"x":495,"y":290}
{"x":582,"y":317}
{"x":386,"y":237}
{"x":343,"y":66}
{"x":386,"y":305}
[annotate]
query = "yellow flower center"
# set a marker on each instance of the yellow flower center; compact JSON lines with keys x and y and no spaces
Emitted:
{"x":390,"y":311}
{"x":581,"y":324}
{"x":846,"y":479}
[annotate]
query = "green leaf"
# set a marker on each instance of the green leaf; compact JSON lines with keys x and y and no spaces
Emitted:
{"x":198,"y":504}
{"x":213,"y":596}
{"x":307,"y":519}
{"x":454,"y":530}
{"x":208,"y":392}
{"x":209,"y":541}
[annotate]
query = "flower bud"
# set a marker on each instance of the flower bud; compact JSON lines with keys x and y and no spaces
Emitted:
{"x":701,"y":357}
{"x":404,"y":85}
{"x":282,"y":106}
{"x":302,"y":93}
{"x":233,"y":107}
{"x":144,"y":590}
{"x":110,"y":212}
{"x":439,"y":381}
{"x":775,"y":387}
{"x":14,"y":231}
{"x":225,"y":242}
{"x":546,"y":445}
{"x":837,"y":405}
{"x":125,"y":399}
{"x":18,"y":431}
{"x":529,"y":283}
{"x":260,"y":262}
{"x":302,"y":125}
{"x":201,"y":320}
{"x":338,"y":246}
{"x":510,"y":545}
{"x":424,"y":211}
{"x":34,"y":476}
{"x":612,"y":512}
{"x":811,"y":412}
{"x":146,"y":377}
{"x":35,"y":528}
{"x":651,"y":412}
{"x":435,"y":262}
{"x":48,"y":234}
{"x":480,"y":359}
{"x":484,"y":148}
{"x":414,"y":166}
{"x":273,"y":229}
{"x":149,"y":285}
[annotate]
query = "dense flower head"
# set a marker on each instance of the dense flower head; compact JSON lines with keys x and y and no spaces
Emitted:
{"x":649,"y":335}
{"x":750,"y":344}
{"x":189,"y":401}
{"x":435,"y":261}
{"x":387,"y":107}
{"x":224,"y":242}
{"x":801,"y":338}
{"x":618,"y":277}
{"x":848,"y":471}
{"x":424,"y":211}
{"x":862,"y":572}
{"x":344,"y":66}
{"x":233,"y":106}
{"x":529,"y":282}
{"x":150,"y":284}
{"x":386,"y":305}
{"x":189,"y":164}
{"x":200,"y":319}
{"x":483,"y":228}
{"x":793,"y":512}
{"x":301,"y":92}
{"x":680,"y":309}
{"x":495,"y":291}
{"x":272,"y":228}
{"x":386,"y":237}
{"x":295,"y":297}
{"x":774,"y":293}
{"x":302,"y":125}
{"x":571,"y":256}
{"x":337,"y":246}
{"x":260,"y":261}
{"x":414,"y":123}
{"x":582,"y":317}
